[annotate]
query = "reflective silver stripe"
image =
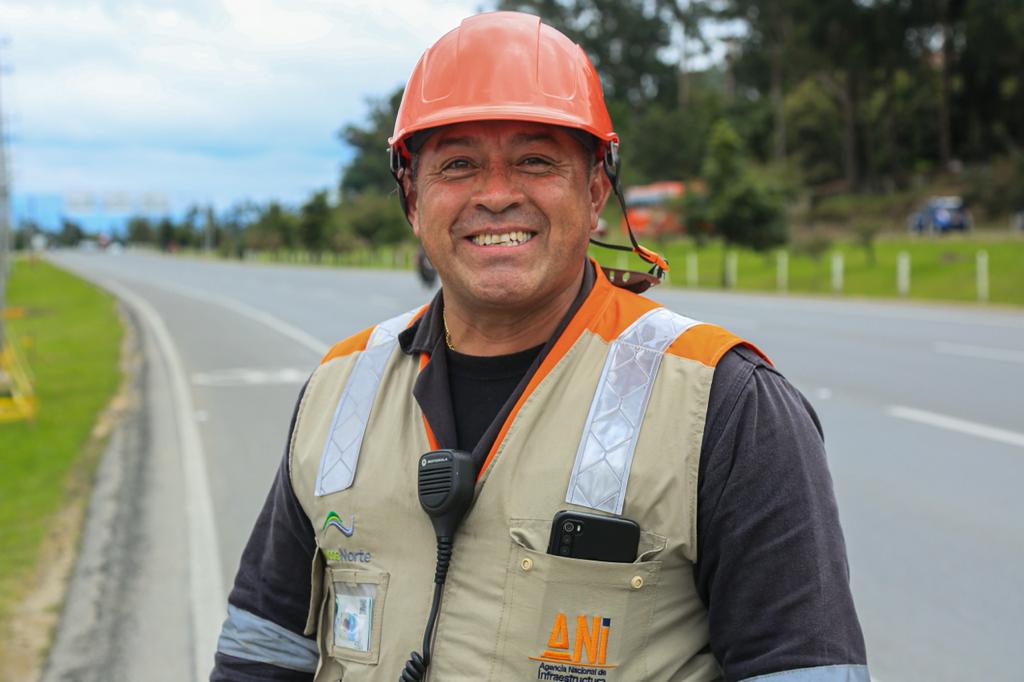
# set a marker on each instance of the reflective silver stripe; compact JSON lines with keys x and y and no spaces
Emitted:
{"x":601,"y":471}
{"x":341,"y":451}
{"x":822,"y":673}
{"x":247,"y":636}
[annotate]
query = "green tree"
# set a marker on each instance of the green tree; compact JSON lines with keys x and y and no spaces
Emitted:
{"x":625,"y":40}
{"x":813,"y":133}
{"x":987,"y":81}
{"x":742,"y":209}
{"x":664,"y":142}
{"x":314,"y":217}
{"x":187,"y":232}
{"x":166,"y":234}
{"x":373,"y":218}
{"x":140,"y":230}
{"x":27,"y":229}
{"x":369,"y":168}
{"x":70,"y":233}
{"x":273,"y":229}
{"x":232,"y":226}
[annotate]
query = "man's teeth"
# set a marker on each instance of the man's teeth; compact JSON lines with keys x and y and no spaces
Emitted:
{"x":506,"y":239}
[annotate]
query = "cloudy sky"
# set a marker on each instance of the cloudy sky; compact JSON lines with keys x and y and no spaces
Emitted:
{"x":199,"y":100}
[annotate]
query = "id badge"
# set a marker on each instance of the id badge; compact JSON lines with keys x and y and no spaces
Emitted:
{"x":353,"y":615}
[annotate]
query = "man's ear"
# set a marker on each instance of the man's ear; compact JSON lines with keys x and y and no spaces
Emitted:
{"x":600,"y":187}
{"x":409,"y":189}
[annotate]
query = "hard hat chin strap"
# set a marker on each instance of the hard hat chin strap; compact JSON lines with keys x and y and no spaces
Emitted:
{"x":399,"y":165}
{"x":612,"y":162}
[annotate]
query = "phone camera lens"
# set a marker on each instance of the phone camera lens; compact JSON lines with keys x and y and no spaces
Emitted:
{"x":564,"y":550}
{"x":568,"y":526}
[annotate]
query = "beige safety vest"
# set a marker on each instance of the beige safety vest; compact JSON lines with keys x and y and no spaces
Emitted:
{"x":611,"y":423}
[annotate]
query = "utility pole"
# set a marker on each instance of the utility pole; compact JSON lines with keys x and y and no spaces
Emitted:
{"x":5,"y":216}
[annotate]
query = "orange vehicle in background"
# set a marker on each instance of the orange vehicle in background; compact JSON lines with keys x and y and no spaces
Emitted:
{"x":653,"y":209}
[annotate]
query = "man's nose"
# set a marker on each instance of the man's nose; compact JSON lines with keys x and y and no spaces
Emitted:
{"x":498,"y":190}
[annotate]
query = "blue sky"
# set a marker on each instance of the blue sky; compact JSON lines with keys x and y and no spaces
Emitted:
{"x":161,"y":102}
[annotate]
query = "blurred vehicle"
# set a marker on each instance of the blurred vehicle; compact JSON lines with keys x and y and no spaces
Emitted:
{"x":941,"y":214}
{"x":425,"y":269}
{"x":653,"y":209}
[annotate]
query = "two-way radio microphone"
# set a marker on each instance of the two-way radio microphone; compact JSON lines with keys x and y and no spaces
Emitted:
{"x":446,"y":483}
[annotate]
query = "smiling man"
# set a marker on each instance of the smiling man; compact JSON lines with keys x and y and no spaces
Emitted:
{"x":697,"y":536}
{"x":505,"y":210}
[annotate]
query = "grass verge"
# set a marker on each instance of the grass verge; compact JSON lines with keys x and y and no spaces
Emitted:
{"x":71,"y":338}
{"x":941,"y":269}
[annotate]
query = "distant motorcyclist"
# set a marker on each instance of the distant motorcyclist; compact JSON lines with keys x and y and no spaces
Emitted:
{"x":425,"y":269}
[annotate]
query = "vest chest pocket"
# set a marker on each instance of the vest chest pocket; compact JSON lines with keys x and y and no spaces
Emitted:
{"x":573,"y":617}
{"x":352,"y":614}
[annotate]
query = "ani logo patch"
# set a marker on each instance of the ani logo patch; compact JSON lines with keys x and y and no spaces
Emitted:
{"x":334,"y":520}
{"x":578,"y":654}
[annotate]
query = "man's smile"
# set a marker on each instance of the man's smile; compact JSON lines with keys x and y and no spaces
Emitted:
{"x":513,"y":238}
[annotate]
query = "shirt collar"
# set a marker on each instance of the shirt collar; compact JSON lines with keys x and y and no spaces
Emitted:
{"x":427,"y":333}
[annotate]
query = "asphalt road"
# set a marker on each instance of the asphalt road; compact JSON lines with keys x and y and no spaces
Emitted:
{"x":921,"y":408}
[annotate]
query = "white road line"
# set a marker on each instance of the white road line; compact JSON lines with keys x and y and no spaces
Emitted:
{"x":981,"y":352}
{"x":278,"y":325}
{"x":246,"y":377}
{"x":955,"y":424}
{"x":207,"y":595}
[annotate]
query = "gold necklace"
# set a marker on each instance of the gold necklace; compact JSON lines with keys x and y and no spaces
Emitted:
{"x":447,"y":334}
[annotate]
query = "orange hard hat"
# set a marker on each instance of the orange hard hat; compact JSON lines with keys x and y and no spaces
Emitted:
{"x":508,"y":66}
{"x":503,"y":66}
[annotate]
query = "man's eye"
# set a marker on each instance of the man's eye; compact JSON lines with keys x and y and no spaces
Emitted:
{"x":535,"y":164}
{"x":456,"y":165}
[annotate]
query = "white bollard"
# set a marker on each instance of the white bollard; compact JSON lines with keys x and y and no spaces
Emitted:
{"x":903,"y":273}
{"x":982,"y":266}
{"x":837,"y":272}
{"x":782,"y":271}
{"x":731,"y":259}
{"x":691,"y":270}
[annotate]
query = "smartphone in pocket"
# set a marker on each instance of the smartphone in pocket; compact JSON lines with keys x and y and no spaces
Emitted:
{"x":580,"y":535}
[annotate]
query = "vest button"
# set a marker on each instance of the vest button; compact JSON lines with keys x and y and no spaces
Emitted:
{"x":637,"y":582}
{"x":526,"y":563}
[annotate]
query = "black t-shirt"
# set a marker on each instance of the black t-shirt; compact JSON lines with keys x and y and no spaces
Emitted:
{"x":479,"y":388}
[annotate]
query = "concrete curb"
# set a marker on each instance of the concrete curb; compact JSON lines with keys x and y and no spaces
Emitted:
{"x":91,"y":621}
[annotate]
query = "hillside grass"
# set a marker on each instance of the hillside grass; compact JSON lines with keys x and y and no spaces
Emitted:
{"x":942,"y":269}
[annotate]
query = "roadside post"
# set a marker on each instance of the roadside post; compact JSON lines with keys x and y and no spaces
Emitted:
{"x":837,"y":272}
{"x":981,"y":261}
{"x":691,"y":270}
{"x":903,"y":273}
{"x":782,"y":270}
{"x":730,"y":269}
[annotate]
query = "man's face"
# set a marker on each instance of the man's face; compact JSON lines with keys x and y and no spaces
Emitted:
{"x":504,"y":210}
